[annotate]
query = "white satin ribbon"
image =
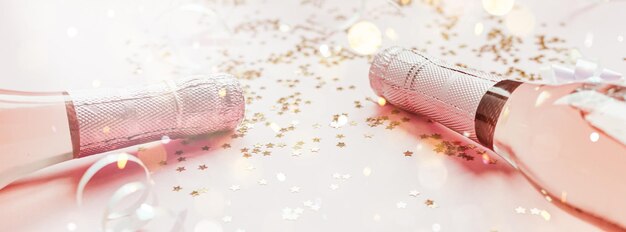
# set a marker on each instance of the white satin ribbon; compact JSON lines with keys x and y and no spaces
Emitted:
{"x":601,"y":111}
{"x":132,"y":216}
{"x":135,"y":215}
{"x":584,"y":70}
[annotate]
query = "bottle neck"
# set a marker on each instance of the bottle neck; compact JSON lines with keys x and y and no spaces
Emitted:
{"x":489,"y":109}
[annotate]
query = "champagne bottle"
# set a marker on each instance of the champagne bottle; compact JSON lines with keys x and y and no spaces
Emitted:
{"x":567,"y":140}
{"x":41,"y":129}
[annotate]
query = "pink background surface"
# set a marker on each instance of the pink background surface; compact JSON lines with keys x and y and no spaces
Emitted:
{"x":364,"y":186}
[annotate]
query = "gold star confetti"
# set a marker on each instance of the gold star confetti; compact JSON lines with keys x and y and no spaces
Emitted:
{"x":181,"y":159}
{"x":202,"y":167}
{"x":176,"y":188}
{"x":316,"y":140}
{"x":226,"y":145}
{"x":339,"y":136}
{"x":404,"y":2}
{"x":408,"y":153}
{"x":206,"y":148}
{"x":341,"y":144}
{"x":180,"y":169}
{"x":194,"y":193}
{"x":430,"y":203}
{"x":339,"y":120}
{"x":179,"y":152}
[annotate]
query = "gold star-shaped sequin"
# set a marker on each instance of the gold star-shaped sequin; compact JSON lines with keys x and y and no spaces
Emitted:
{"x":202,"y":167}
{"x":316,"y":140}
{"x":179,"y":152}
{"x":180,"y":169}
{"x":206,"y":148}
{"x":340,"y":136}
{"x":408,"y":153}
{"x":226,"y":145}
{"x":341,"y":144}
{"x":177,"y":188}
{"x":194,"y":193}
{"x":430,"y":203}
{"x":269,"y":145}
{"x":181,"y":159}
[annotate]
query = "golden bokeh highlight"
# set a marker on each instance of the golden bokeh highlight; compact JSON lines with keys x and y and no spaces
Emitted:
{"x":520,"y":21}
{"x":122,"y":159}
{"x":498,"y":7}
{"x":382,"y":101}
{"x":364,"y":38}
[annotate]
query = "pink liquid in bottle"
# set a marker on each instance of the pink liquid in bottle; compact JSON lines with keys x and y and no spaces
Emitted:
{"x":567,"y":140}
{"x":575,"y":164}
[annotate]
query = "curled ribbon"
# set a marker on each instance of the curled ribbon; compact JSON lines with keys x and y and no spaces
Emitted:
{"x":131,"y":217}
{"x":136,"y":215}
{"x":584,"y":70}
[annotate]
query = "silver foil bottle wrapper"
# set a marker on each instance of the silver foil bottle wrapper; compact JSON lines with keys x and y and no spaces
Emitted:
{"x":102,"y":120}
{"x":420,"y":84}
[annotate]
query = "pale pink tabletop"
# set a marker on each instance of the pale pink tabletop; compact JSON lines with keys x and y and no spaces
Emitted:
{"x":316,"y":152}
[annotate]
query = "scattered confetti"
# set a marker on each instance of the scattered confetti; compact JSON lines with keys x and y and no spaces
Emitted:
{"x":235,"y":188}
{"x":281,"y":177}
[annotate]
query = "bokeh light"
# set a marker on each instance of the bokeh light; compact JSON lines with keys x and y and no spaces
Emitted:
{"x":520,"y":21}
{"x":498,"y":7}
{"x":364,"y":38}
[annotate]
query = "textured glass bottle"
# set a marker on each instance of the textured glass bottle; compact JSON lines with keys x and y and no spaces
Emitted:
{"x":41,"y":129}
{"x":567,"y":140}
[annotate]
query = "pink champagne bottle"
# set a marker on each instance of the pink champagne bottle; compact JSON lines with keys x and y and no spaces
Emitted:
{"x":567,"y":140}
{"x":41,"y":129}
